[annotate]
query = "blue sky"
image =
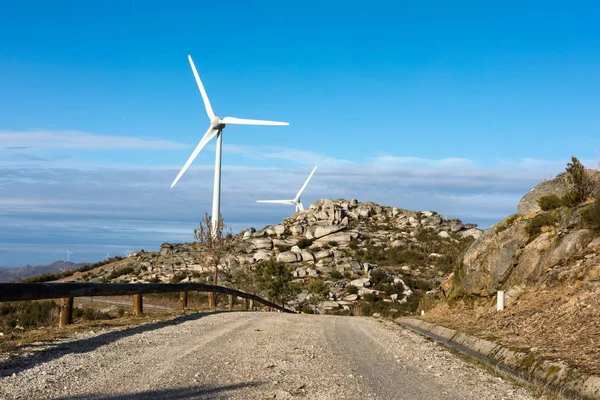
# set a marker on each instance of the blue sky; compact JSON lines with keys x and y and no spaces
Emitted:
{"x":458,"y":108}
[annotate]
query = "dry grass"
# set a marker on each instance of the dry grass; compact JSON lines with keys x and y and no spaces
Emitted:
{"x":561,"y":322}
{"x":18,"y":341}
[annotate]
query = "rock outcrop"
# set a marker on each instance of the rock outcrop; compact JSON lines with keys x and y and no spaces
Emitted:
{"x":517,"y":252}
{"x":334,"y":240}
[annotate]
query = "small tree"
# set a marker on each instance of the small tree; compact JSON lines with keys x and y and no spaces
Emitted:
{"x":581,"y":184}
{"x":275,"y":278}
{"x":318,"y":292}
{"x":215,"y":244}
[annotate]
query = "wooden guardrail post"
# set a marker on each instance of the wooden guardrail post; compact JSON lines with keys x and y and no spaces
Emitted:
{"x":66,"y":312}
{"x":230,"y":300}
{"x":251,"y":305}
{"x":244,"y":304}
{"x":183,"y":297}
{"x":138,"y":305}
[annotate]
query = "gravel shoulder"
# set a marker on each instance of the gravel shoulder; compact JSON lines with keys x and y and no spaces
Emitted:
{"x":251,"y":356}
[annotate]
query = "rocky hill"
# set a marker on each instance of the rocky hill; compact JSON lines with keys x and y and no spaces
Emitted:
{"x":388,"y":255}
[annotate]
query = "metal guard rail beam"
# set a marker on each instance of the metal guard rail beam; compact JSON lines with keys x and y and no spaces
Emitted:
{"x":43,"y":291}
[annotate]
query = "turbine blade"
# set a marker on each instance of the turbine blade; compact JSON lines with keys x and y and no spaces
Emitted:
{"x":276,"y":201}
{"x":210,"y":133}
{"x":306,"y":183}
{"x":207,"y":105}
{"x":243,"y":121}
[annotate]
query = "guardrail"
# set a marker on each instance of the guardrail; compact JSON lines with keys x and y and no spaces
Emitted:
{"x":67,"y":291}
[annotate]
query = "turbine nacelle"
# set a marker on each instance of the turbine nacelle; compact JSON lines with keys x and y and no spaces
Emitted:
{"x":217,"y":123}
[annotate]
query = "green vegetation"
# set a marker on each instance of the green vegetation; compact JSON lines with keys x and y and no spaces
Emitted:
{"x":591,"y":214}
{"x":275,"y":278}
{"x":335,"y":274}
{"x":27,"y":314}
{"x":283,"y":247}
{"x":115,"y":273}
{"x":534,"y":227}
{"x":304,"y":243}
{"x":351,"y":289}
{"x":91,"y":314}
{"x":549,"y":202}
{"x":318,"y":291}
{"x":178,"y":277}
{"x":581,"y":184}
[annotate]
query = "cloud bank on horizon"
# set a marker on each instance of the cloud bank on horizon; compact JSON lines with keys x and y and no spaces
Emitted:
{"x":59,"y":193}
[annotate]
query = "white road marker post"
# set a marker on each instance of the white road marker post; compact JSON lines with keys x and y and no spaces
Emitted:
{"x":500,"y":300}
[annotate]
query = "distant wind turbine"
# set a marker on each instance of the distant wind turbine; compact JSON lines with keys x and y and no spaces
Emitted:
{"x":69,"y":254}
{"x":127,"y":253}
{"x":107,"y":256}
{"x":215,"y":128}
{"x":295,"y":200}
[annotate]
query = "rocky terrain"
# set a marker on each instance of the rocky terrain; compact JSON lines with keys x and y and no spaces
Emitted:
{"x":548,"y":263}
{"x":358,"y":249}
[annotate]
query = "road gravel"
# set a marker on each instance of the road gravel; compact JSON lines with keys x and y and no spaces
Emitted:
{"x":250,"y":356}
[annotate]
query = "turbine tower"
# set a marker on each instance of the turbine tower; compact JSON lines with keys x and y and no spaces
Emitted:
{"x":215,"y":128}
{"x":69,"y":254}
{"x":295,"y":200}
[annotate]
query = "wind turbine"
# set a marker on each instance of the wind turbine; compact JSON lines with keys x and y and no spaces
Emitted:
{"x":295,"y":200}
{"x":127,"y":253}
{"x":217,"y":124}
{"x":68,"y":254}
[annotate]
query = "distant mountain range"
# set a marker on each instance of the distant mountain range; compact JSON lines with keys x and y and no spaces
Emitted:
{"x":12,"y":274}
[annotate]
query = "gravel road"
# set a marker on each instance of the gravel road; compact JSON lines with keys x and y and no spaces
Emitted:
{"x":250,"y":356}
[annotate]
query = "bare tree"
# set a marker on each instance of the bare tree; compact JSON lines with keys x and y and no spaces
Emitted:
{"x":216,"y":245}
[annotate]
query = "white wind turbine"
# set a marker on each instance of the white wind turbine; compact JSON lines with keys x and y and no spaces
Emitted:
{"x":69,"y":254}
{"x":295,"y":200}
{"x":215,"y":128}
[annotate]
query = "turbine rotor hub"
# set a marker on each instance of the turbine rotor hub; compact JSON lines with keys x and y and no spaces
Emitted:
{"x":216,"y":122}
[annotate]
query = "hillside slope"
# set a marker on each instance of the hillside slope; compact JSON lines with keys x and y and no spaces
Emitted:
{"x":385,"y":253}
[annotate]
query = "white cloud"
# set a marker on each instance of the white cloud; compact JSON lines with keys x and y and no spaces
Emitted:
{"x":389,"y":160}
{"x":286,"y":154}
{"x":44,"y":139}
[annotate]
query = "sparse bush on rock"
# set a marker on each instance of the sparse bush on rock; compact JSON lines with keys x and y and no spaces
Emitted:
{"x":549,"y":202}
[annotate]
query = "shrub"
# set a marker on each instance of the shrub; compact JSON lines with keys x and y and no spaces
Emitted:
{"x":306,"y":309}
{"x":534,"y":227}
{"x":379,"y":276}
{"x":549,"y":202}
{"x":370,"y":298}
{"x":332,"y":243}
{"x":304,"y":243}
{"x":275,"y":278}
{"x":591,"y":214}
{"x":27,"y":314}
{"x":351,"y":289}
{"x":353,"y":243}
{"x":115,"y":273}
{"x":178,"y":277}
{"x":283,"y":247}
{"x":90,"y":314}
{"x":582,"y":185}
{"x":335,"y":274}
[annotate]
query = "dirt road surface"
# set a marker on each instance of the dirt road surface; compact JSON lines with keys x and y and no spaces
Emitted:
{"x":250,"y":356}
